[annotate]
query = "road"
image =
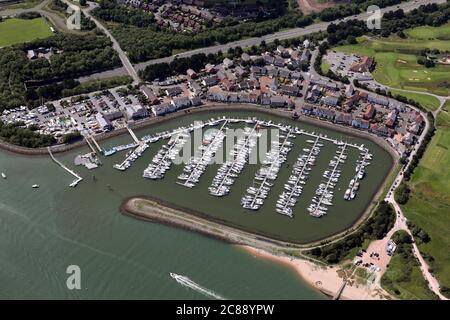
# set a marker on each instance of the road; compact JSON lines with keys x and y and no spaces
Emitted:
{"x":285,"y":34}
{"x":281,"y":35}
{"x":123,"y":56}
{"x":57,"y":20}
{"x":401,"y":221}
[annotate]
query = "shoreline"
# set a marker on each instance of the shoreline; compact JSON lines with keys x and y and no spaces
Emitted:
{"x":326,"y":279}
{"x":216,"y":107}
{"x":220,"y":108}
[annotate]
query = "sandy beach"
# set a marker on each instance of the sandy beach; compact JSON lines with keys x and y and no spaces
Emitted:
{"x":328,"y":280}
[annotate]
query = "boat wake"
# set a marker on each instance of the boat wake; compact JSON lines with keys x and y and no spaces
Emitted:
{"x":186,"y":282}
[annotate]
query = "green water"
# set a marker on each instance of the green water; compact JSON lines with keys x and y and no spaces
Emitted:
{"x":43,"y":231}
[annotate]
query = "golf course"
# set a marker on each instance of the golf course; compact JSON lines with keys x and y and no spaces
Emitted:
{"x":14,"y":31}
{"x":396,"y":60}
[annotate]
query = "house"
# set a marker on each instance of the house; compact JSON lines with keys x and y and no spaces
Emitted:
{"x":380,"y":130}
{"x":290,"y":90}
{"x":136,"y":112}
{"x":173,"y":91}
{"x":349,"y":90}
{"x":245,"y":57}
{"x":272,"y":71}
{"x":181,"y":103}
{"x":233,"y":98}
{"x":217,"y":96}
{"x":360,"y":123}
{"x":307,"y":109}
{"x":210,"y":68}
{"x":283,"y":73}
{"x":148,"y":93}
{"x":162,"y":109}
{"x":112,"y":115}
{"x":104,"y":124}
{"x":325,"y":113}
{"x":408,"y":139}
{"x":268,"y":59}
{"x":210,"y":81}
{"x":196,"y":101}
{"x":277,"y":102}
{"x":391,"y":119}
{"x":365,"y":64}
{"x":330,"y":101}
{"x":228,"y":85}
{"x":228,"y":63}
{"x":280,"y":49}
{"x":306,"y":44}
{"x":195,"y":88}
{"x":191,"y":73}
{"x":256,"y":70}
{"x":377,"y":99}
{"x":296,"y":75}
{"x":305,"y":56}
{"x":264,"y":100}
{"x":343,"y":118}
{"x":278,"y":62}
{"x":370,"y":112}
{"x":239,"y":71}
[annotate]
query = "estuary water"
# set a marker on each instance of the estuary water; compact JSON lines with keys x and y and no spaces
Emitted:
{"x":43,"y":231}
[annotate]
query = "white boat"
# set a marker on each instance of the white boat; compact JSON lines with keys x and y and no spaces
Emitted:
{"x":3,"y":175}
{"x":35,"y":186}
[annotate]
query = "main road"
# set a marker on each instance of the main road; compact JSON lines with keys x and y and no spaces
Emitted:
{"x":285,"y":34}
{"x":281,"y":35}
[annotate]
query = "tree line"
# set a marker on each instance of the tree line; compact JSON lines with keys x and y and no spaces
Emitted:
{"x":19,"y":135}
{"x":72,"y":55}
{"x":376,"y":227}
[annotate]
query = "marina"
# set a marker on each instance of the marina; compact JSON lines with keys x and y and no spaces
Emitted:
{"x":197,"y":165}
{"x":265,"y":177}
{"x":239,"y":155}
{"x":162,"y":161}
{"x":294,"y":187}
{"x":268,"y":170}
{"x":301,"y":228}
{"x":325,"y":193}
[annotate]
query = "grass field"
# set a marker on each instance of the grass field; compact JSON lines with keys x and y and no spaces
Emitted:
{"x":415,"y":288}
{"x":325,"y":66}
{"x":396,"y":59}
{"x":429,"y":102}
{"x":14,"y":31}
{"x":429,"y":204}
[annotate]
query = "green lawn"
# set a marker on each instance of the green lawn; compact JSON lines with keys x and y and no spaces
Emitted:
{"x":413,"y":289}
{"x":396,"y":59}
{"x":325,"y":66}
{"x":429,"y":102}
{"x":14,"y":31}
{"x":429,"y":204}
{"x":426,"y":33}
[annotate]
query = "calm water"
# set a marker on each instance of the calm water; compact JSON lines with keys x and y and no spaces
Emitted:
{"x":43,"y":231}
